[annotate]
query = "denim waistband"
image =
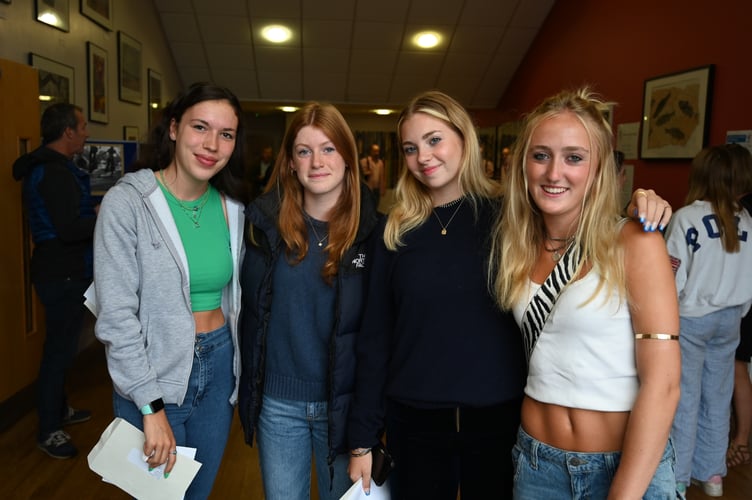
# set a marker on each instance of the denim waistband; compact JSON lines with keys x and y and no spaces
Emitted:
{"x":213,"y":336}
{"x":535,"y":450}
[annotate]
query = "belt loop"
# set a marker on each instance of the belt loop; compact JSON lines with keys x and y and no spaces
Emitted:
{"x":534,"y":444}
{"x":457,"y":418}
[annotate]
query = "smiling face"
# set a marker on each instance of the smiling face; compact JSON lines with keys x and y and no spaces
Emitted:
{"x":559,"y":162}
{"x":433,"y":153}
{"x":204,"y":141}
{"x":319,"y":167}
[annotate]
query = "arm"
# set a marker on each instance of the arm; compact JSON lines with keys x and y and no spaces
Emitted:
{"x":62,"y":198}
{"x":117,"y":280}
{"x":382,"y":179}
{"x":366,"y":419}
{"x":654,"y":309}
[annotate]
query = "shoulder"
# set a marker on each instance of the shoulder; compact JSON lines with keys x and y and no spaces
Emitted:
{"x":641,"y":247}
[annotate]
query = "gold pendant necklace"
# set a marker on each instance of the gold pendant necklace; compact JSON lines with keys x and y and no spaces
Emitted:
{"x":446,"y":205}
{"x":315,"y":233}
{"x":556,"y":251}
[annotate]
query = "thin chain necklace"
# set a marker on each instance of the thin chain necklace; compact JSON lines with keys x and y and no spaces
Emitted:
{"x":192,"y":212}
{"x":556,"y":251}
{"x":447,"y":205}
{"x":315,"y":233}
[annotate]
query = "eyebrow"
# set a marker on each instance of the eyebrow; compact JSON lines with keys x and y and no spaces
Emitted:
{"x":204,"y":122}
{"x":424,"y":136}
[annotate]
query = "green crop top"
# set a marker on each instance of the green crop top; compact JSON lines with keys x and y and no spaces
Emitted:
{"x":206,"y":240}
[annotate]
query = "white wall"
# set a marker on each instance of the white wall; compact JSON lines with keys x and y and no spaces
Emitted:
{"x":21,"y":34}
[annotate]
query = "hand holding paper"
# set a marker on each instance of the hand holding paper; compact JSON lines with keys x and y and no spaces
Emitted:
{"x":118,"y":458}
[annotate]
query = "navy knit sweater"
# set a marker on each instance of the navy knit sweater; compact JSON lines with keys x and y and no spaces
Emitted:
{"x":432,"y":335}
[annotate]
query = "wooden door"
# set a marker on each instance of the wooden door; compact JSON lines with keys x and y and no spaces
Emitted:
{"x":21,"y":314}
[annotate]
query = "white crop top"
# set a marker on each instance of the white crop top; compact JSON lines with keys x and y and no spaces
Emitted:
{"x":584,"y":357}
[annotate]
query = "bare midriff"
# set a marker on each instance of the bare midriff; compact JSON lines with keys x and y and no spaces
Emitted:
{"x":207,"y":321}
{"x":574,"y":429}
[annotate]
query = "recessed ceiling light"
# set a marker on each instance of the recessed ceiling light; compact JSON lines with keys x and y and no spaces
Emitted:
{"x":383,"y":111}
{"x":276,"y":33}
{"x":288,"y":109}
{"x":427,"y":39}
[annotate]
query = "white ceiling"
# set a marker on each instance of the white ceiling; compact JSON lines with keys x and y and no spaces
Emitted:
{"x":352,"y":52}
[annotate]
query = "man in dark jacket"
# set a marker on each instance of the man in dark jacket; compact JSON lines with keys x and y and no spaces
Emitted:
{"x":61,"y":217}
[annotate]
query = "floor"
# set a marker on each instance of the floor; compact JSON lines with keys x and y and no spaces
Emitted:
{"x":27,"y":473}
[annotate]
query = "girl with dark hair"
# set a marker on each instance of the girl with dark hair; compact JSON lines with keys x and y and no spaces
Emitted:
{"x":168,"y":247}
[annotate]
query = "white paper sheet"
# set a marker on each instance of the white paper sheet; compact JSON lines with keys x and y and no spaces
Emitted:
{"x":377,"y":492}
{"x":118,"y":458}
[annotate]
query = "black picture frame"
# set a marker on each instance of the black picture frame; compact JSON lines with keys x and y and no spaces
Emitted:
{"x":99,"y":11}
{"x":56,"y":81}
{"x":97,"y":88}
{"x":55,"y":13}
{"x":676,"y":114}
{"x":130,"y":76}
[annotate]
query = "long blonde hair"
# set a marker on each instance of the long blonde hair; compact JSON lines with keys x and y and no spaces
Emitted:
{"x":413,"y":202}
{"x":519,"y":231}
{"x":345,"y":215}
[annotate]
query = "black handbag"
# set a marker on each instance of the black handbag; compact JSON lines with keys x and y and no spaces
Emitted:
{"x":381,"y":465}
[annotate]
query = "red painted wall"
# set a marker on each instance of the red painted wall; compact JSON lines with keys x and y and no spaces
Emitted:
{"x":615,"y":45}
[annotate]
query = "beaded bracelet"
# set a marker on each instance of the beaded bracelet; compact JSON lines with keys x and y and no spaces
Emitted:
{"x":360,"y":452}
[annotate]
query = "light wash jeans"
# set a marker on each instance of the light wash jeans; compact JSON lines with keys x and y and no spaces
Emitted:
{"x":701,"y":425}
{"x":289,"y":434}
{"x":203,"y":421}
{"x":545,"y":472}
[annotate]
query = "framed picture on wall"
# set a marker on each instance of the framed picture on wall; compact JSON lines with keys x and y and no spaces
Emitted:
{"x":130,"y":133}
{"x":98,"y":94}
{"x":106,"y":161}
{"x":155,"y":97}
{"x":129,"y":68}
{"x":55,"y":13}
{"x":676,"y":114}
{"x":99,"y":11}
{"x":56,"y":81}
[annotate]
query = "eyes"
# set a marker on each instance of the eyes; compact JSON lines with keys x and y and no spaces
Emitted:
{"x":304,"y":152}
{"x":571,"y":158}
{"x":410,"y":149}
{"x":225,"y":134}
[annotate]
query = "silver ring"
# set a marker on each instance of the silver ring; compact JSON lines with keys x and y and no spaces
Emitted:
{"x":174,"y":452}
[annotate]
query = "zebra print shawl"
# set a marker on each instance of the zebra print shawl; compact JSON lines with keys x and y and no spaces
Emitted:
{"x":542,"y":303}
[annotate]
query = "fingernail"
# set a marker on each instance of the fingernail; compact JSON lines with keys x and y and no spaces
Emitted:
{"x":642,"y":219}
{"x":166,"y":475}
{"x":367,"y":492}
{"x":661,"y":227}
{"x":150,"y":469}
{"x":646,"y":227}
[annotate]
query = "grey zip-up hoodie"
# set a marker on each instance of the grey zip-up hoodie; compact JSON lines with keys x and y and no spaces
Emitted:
{"x":142,"y":286}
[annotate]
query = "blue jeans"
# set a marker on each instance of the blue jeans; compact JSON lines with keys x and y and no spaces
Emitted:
{"x":701,"y":425}
{"x":63,"y":303}
{"x":289,"y":434}
{"x":203,"y":420}
{"x":545,"y":472}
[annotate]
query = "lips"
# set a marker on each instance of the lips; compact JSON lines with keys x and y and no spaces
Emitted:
{"x":553,"y":190}
{"x":429,"y":170}
{"x":207,"y":160}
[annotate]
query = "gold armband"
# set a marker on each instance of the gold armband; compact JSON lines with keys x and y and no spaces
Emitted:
{"x":656,"y":336}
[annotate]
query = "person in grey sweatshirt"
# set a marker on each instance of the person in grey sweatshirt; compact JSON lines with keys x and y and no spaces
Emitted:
{"x":167,"y":249}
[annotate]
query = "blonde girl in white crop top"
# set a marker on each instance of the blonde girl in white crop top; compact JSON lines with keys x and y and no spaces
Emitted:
{"x":602,"y":379}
